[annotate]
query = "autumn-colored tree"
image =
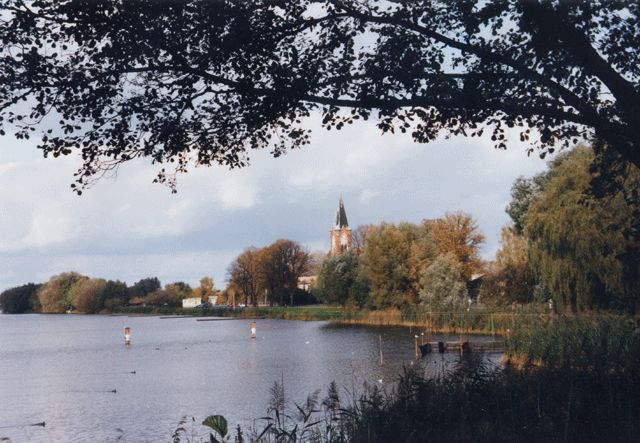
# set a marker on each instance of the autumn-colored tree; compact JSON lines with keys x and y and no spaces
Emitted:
{"x":85,"y":294}
{"x":284,"y":262}
{"x":54,"y":295}
{"x":205,"y":290}
{"x":457,"y":233}
{"x":161,"y":297}
{"x":247,"y":273}
{"x":179,"y":289}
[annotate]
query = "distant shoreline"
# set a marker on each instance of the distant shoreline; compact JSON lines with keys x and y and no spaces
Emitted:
{"x":475,"y":321}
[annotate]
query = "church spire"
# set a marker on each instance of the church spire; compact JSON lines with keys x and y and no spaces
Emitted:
{"x":340,"y":234}
{"x":341,"y":216}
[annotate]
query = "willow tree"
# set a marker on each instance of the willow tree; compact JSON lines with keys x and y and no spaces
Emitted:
{"x":205,"y":82}
{"x":585,"y":249}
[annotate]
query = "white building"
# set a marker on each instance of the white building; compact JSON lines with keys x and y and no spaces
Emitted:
{"x":191,"y":302}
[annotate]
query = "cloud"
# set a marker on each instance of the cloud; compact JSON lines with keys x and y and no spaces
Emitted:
{"x":129,"y":228}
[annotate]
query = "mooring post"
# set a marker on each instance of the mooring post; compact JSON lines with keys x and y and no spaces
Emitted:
{"x":380,"y":342}
{"x":127,"y":335}
{"x":253,"y":329}
{"x":416,"y":341}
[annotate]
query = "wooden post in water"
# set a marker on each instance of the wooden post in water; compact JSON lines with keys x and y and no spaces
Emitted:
{"x":127,"y":335}
{"x":460,"y":333}
{"x":416,"y":340}
{"x":254,"y":329}
{"x":380,"y":342}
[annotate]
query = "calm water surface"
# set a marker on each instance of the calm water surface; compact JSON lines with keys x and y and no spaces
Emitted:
{"x":60,"y":368}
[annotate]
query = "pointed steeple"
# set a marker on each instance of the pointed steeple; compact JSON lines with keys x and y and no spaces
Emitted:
{"x":341,"y":216}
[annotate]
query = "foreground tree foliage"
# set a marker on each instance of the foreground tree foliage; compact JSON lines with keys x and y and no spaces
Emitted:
{"x":204,"y":82}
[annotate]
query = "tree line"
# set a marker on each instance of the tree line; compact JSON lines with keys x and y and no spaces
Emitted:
{"x":71,"y":291}
{"x":404,"y":265}
{"x":570,"y":241}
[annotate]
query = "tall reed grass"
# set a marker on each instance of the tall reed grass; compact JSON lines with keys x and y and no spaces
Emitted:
{"x":584,"y":387}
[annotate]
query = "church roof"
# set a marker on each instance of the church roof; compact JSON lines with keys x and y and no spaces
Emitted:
{"x":341,"y":216}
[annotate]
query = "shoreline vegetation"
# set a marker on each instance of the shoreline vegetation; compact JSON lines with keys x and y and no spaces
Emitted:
{"x":576,"y":379}
{"x":476,"y":321}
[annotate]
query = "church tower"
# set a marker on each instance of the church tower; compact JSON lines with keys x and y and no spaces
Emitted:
{"x":340,"y":234}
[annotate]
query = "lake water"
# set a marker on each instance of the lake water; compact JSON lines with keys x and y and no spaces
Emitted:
{"x":60,"y":368}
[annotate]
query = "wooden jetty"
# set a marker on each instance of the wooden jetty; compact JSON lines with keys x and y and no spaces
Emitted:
{"x":462,"y":346}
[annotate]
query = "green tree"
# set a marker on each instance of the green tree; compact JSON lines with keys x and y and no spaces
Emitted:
{"x":339,"y":281}
{"x":585,"y":249}
{"x":443,"y":284}
{"x":511,"y":278}
{"x":114,"y":293}
{"x":144,"y":286}
{"x":19,"y":299}
{"x":54,"y":295}
{"x":391,"y":263}
{"x":523,"y":192}
{"x":206,"y":80}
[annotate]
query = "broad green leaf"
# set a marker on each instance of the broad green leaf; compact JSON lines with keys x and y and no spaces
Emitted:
{"x":218,"y":423}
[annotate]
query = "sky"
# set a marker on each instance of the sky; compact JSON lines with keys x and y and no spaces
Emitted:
{"x":128,"y":228}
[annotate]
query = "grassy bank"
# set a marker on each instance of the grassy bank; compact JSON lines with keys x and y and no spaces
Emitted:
{"x":588,"y":342}
{"x":475,"y":321}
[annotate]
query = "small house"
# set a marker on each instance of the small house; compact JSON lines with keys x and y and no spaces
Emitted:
{"x":191,"y":302}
